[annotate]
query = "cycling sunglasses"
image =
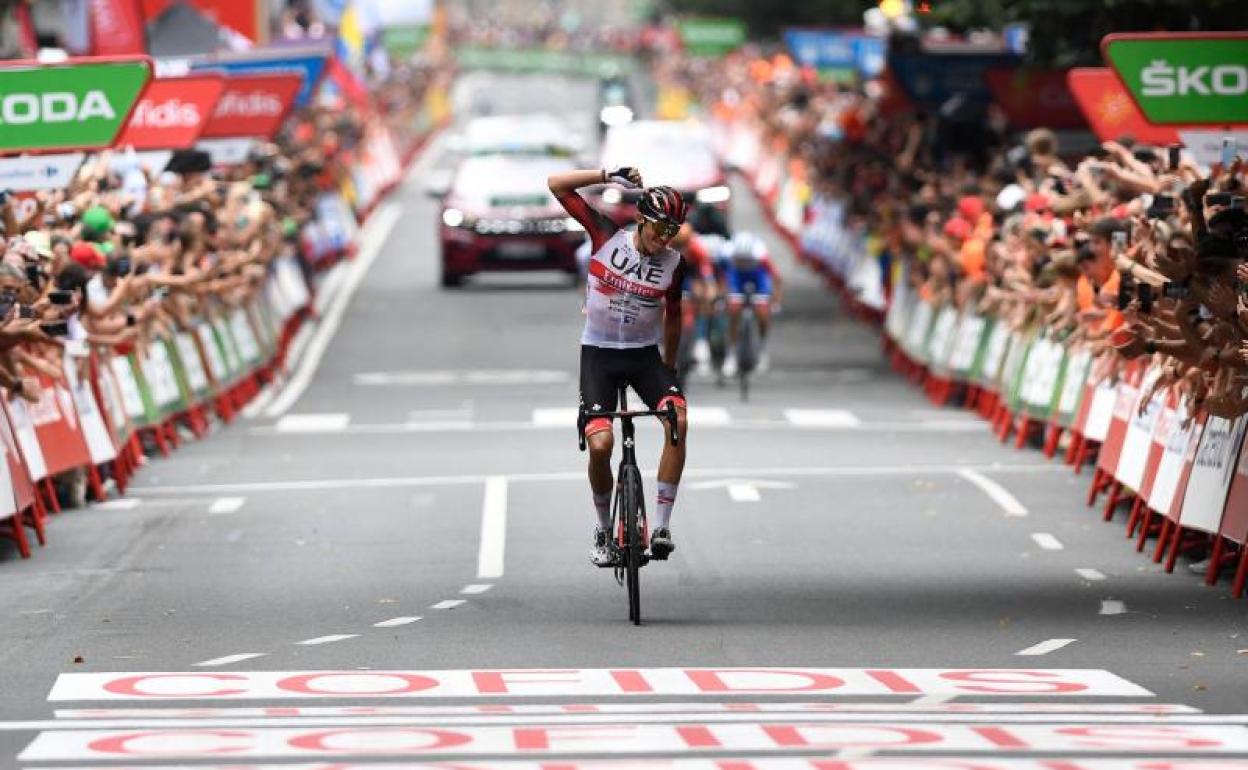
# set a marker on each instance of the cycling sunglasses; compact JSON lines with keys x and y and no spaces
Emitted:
{"x":664,"y":228}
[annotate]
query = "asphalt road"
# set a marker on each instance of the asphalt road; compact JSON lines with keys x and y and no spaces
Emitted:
{"x":417,"y":520}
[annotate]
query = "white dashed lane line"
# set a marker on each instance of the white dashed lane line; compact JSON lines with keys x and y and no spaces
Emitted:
{"x":330,"y":422}
{"x":447,"y":604}
{"x":1113,"y":607}
{"x":226,"y":505}
{"x":476,"y":588}
{"x":821,"y":418}
{"x":1087,"y":573}
{"x":229,"y":659}
{"x":1045,"y":647}
{"x":1047,"y":541}
{"x":392,"y":622}
{"x":326,"y":639}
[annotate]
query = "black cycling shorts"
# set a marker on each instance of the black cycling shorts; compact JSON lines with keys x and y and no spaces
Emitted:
{"x":604,"y":370}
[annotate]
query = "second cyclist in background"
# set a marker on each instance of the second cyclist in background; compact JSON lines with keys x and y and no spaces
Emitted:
{"x":746,"y":270}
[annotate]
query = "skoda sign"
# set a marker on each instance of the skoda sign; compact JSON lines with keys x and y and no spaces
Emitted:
{"x":79,"y":105}
{"x":1188,"y":78}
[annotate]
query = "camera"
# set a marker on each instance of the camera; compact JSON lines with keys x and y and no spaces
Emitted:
{"x":1163,"y":206}
{"x":61,"y":297}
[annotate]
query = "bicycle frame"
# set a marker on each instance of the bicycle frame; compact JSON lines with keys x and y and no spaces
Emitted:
{"x":628,"y":513}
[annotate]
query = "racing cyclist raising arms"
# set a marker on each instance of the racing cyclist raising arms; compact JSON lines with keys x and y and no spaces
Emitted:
{"x":632,"y":300}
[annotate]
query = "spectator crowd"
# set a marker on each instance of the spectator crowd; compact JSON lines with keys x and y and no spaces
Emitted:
{"x":1130,"y":251}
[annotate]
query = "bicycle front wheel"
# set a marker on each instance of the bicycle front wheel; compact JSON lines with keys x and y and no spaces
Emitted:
{"x":633,"y":547}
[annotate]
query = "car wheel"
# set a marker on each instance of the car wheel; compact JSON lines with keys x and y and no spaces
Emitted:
{"x":451,"y":280}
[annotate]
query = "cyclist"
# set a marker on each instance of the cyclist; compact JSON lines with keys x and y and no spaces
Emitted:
{"x":632,"y":301}
{"x":746,"y":267}
{"x":700,"y":286}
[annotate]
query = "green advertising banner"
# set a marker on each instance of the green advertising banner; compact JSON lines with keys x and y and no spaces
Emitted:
{"x":540,"y":60}
{"x":711,"y":37}
{"x":1193,"y":78}
{"x":79,"y":105}
{"x":402,"y":42}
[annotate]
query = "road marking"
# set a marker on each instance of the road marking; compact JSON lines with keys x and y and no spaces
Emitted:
{"x":924,"y":706}
{"x":492,"y":552}
{"x":329,"y":422}
{"x":1113,"y":607}
{"x":411,"y":378}
{"x":709,"y":416}
{"x":1047,"y":541}
{"x":226,"y":504}
{"x":121,"y":504}
{"x":447,"y":604}
{"x":228,"y":659}
{"x":476,"y":588}
{"x":821,"y":418}
{"x":1087,"y":573}
{"x":999,"y":494}
{"x":1045,"y":647}
{"x":372,"y":239}
{"x":563,"y":417}
{"x":492,"y":685}
{"x":744,"y":493}
{"x":326,"y":639}
{"x":1140,"y":740}
{"x":392,"y":622}
{"x":390,"y":482}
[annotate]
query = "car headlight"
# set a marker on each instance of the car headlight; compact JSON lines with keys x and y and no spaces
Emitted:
{"x":616,"y":115}
{"x":452,"y":217}
{"x":571,"y":225}
{"x":716,"y":194}
{"x":612,"y":195}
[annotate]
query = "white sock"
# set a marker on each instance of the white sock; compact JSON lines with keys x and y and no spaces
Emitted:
{"x":602,"y":506}
{"x":663,"y":510}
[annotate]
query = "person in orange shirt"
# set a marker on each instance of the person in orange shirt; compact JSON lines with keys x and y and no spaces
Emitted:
{"x":1097,"y":290}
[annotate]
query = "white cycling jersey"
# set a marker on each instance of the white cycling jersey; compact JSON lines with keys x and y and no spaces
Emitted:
{"x":624,"y":302}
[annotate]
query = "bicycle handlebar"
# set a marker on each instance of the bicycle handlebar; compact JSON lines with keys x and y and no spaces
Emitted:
{"x":668,"y":411}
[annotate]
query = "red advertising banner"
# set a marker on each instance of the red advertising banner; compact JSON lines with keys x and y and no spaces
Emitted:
{"x":1035,"y":98}
{"x":172,"y":113}
{"x":116,"y":28}
{"x":1110,"y":110}
{"x":253,"y":106}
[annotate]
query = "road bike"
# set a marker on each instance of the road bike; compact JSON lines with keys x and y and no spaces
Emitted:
{"x":628,"y":510}
{"x":749,"y":345}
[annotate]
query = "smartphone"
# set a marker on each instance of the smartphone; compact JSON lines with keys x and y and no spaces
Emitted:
{"x":1120,"y":236}
{"x":1174,"y":156}
{"x":55,"y":328}
{"x":25,"y":311}
{"x":1146,"y":298}
{"x":1126,"y":290}
{"x":1180,"y":290}
{"x":1228,"y":151}
{"x":61,"y":297}
{"x":1219,"y":199}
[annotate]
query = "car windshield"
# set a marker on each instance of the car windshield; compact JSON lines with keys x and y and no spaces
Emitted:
{"x":677,"y":154}
{"x":507,"y":182}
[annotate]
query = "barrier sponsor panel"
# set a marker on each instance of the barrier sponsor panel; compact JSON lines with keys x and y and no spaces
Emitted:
{"x":1217,"y":455}
{"x":27,"y":439}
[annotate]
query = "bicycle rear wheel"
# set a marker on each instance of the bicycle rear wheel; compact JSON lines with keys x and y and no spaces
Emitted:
{"x":631,"y":493}
{"x":748,"y":344}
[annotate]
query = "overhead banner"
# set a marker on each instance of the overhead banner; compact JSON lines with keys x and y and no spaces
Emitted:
{"x":309,"y":63}
{"x":1035,"y":98}
{"x":77,"y":105}
{"x":1109,"y":109}
{"x":39,"y":172}
{"x":116,"y":28}
{"x":711,"y":36}
{"x":173,"y":113}
{"x":837,"y":52}
{"x":253,"y":106}
{"x":931,"y":79}
{"x":1198,"y":78}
